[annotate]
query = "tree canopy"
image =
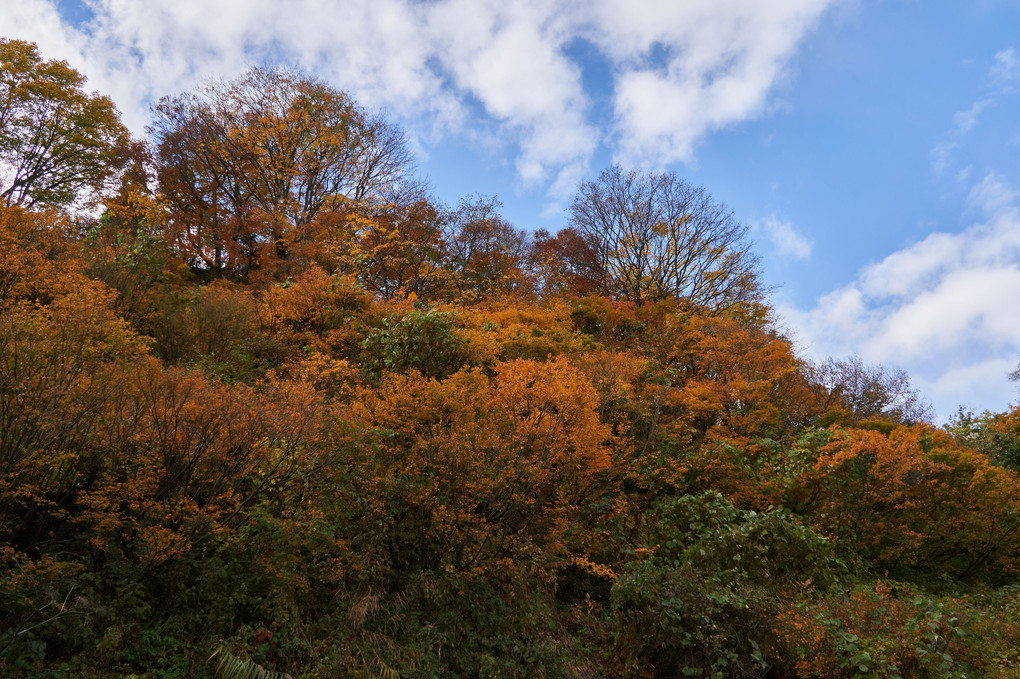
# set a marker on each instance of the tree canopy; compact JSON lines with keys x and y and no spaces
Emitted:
{"x":246,"y":166}
{"x":56,"y":140}
{"x":656,"y":236}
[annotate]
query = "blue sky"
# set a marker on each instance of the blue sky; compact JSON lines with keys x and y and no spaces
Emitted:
{"x":873,"y":146}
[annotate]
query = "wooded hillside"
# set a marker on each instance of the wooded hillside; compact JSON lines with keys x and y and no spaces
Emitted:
{"x":267,"y":408}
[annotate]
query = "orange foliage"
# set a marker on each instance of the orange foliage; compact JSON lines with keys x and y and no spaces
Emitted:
{"x":184,"y":456}
{"x":479,"y":467}
{"x":312,"y":310}
{"x":63,"y":355}
{"x":734,"y":380}
{"x":913,"y":498}
{"x":398,"y":250}
{"x":565,"y":263}
{"x":505,"y":330}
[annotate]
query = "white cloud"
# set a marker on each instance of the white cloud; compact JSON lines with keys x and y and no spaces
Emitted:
{"x":786,"y":240}
{"x":457,"y":66}
{"x":947,"y":308}
{"x":1005,"y":71}
{"x":509,"y":56}
{"x":964,"y":121}
{"x":688,"y":68}
{"x":992,"y":194}
{"x":967,"y":385}
{"x":1003,"y":76}
{"x":941,"y":155}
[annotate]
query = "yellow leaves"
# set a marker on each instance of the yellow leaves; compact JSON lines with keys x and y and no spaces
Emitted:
{"x":175,"y":458}
{"x":334,"y":379}
{"x":597,"y":569}
{"x":55,"y":139}
{"x":34,"y":587}
{"x":63,"y":357}
{"x":37,"y":260}
{"x":248,"y":165}
{"x":399,"y":250}
{"x":313,"y":309}
{"x":703,"y":400}
{"x":161,"y":544}
{"x":710,"y":377}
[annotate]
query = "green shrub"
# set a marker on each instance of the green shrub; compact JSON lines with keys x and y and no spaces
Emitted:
{"x":426,"y":341}
{"x":702,"y":603}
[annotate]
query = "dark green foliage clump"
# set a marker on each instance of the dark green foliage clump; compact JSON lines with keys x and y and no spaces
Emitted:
{"x":702,"y":603}
{"x":426,"y":341}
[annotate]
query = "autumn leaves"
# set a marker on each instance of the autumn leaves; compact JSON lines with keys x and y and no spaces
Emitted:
{"x":58,"y":143}
{"x":277,"y":401}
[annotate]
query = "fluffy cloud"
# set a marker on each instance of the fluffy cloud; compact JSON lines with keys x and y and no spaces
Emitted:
{"x":947,"y":308}
{"x":688,"y":68}
{"x":786,"y":241}
{"x":679,"y":69}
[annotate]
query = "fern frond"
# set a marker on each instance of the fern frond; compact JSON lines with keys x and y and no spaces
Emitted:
{"x":232,"y":667}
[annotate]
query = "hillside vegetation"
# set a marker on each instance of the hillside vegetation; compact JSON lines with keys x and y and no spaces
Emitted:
{"x":268,"y":409}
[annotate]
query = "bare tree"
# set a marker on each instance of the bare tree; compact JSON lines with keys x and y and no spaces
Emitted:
{"x":656,"y":236}
{"x":869,"y":391}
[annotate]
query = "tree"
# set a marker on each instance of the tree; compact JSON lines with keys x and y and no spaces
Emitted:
{"x":246,"y":166}
{"x":426,"y":341}
{"x":656,"y":236}
{"x":399,"y":249}
{"x":869,"y":392}
{"x":703,"y":600}
{"x":912,"y":500}
{"x":996,"y":435}
{"x":566,"y":262}
{"x":485,"y":253}
{"x":466,"y":471}
{"x":56,"y":140}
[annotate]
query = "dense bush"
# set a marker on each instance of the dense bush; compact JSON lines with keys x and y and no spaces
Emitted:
{"x":701,"y":603}
{"x":426,"y":341}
